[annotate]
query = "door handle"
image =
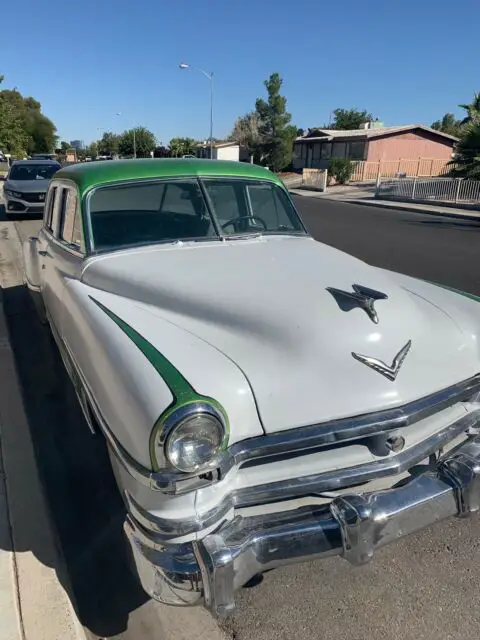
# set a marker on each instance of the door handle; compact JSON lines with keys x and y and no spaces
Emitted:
{"x":44,"y":253}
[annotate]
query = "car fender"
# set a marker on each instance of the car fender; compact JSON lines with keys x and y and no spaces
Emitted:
{"x":127,"y":389}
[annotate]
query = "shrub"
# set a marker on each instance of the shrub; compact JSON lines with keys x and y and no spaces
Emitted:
{"x":341,"y":169}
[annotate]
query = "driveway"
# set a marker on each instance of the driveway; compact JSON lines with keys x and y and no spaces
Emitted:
{"x":425,"y":587}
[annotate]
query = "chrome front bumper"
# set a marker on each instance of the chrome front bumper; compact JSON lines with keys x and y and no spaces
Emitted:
{"x":353,"y":526}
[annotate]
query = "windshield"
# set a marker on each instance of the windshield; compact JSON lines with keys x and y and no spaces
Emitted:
{"x":180,"y":210}
{"x":33,"y":171}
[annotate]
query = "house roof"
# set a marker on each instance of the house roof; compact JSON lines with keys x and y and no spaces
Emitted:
{"x":367,"y":134}
{"x":219,"y":143}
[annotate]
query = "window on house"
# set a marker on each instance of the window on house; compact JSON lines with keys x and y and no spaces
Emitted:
{"x":326,"y":150}
{"x":316,"y":151}
{"x":356,"y":150}
{"x":339,"y":149}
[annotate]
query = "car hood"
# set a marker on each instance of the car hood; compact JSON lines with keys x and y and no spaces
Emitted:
{"x":27,"y":186}
{"x":264,"y":303}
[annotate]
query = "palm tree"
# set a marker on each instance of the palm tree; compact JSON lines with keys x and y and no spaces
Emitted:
{"x":467,"y":153}
{"x":472,"y":109}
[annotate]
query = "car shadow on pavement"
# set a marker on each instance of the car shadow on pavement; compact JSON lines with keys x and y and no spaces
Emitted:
{"x":85,"y":506}
{"x":19,"y":216}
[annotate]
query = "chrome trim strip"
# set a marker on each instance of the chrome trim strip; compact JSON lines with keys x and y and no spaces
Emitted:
{"x":342,"y":478}
{"x":168,"y":528}
{"x":293,"y":440}
{"x":303,"y":485}
{"x":352,"y":428}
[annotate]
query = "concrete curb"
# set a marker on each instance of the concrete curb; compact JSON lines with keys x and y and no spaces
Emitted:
{"x":43,"y":608}
{"x":466,"y":214}
{"x":401,"y":206}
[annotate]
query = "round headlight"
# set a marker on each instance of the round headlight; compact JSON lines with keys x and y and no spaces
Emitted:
{"x":194,"y":442}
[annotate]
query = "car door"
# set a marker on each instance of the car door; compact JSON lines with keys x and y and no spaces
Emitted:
{"x":61,"y":249}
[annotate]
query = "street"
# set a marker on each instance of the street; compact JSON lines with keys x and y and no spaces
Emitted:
{"x":425,"y":587}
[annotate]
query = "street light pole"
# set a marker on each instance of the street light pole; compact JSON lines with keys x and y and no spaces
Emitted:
{"x":209,"y":76}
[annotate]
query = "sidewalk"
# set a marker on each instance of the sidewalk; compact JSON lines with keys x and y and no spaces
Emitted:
{"x":34,"y":604}
{"x":365,"y":196}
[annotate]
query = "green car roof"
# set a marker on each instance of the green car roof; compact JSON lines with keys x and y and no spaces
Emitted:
{"x":90,"y":174}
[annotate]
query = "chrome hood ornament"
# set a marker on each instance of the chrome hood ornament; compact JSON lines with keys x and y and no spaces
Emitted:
{"x":361,"y":296}
{"x":389,"y":372}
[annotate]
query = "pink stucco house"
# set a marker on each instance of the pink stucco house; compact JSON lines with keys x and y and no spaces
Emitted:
{"x":372,"y":144}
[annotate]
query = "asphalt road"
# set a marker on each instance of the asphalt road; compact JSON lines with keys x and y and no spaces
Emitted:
{"x":425,"y":587}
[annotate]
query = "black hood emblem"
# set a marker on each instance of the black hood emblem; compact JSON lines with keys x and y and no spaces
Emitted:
{"x":361,"y":296}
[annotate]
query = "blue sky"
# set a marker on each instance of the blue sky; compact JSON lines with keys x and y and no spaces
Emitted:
{"x":408,"y":61}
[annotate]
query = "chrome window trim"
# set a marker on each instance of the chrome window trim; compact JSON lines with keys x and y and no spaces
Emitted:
{"x":85,"y":204}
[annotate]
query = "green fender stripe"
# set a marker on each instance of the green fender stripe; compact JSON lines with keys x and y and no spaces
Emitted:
{"x":182,"y":391}
{"x":461,"y":293}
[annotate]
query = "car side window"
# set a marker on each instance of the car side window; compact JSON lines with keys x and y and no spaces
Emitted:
{"x":266,"y":203}
{"x":56,"y":205}
{"x":70,"y":220}
{"x":49,"y":205}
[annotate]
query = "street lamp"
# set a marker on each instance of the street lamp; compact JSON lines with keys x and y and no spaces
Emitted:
{"x":184,"y":65}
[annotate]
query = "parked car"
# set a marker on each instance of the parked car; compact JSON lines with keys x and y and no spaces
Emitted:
{"x":26,"y":185}
{"x":265,"y":398}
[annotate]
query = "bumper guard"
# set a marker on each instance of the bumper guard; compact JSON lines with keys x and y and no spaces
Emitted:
{"x":353,"y":526}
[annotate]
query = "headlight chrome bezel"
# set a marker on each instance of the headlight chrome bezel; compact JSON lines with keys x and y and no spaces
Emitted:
{"x":174,"y":418}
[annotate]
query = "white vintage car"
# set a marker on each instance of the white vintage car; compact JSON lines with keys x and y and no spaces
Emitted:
{"x":266,"y":399}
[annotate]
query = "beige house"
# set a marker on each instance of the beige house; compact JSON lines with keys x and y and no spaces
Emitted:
{"x":228,"y":150}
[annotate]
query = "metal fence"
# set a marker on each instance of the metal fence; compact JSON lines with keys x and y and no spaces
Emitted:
{"x":454,"y":190}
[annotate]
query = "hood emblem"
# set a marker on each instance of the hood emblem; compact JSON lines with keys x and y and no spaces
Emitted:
{"x":361,"y":296}
{"x":389,"y":372}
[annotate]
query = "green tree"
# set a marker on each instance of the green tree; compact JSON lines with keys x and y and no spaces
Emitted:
{"x":449,"y":124}
{"x":92,"y":151}
{"x":161,"y":152}
{"x":182,"y":146}
{"x":467,"y":153}
{"x":108,"y":145}
{"x":13,"y":138}
{"x":143,"y":142}
{"x":473,"y":110}
{"x":39,"y":130}
{"x":341,"y":169}
{"x":246,"y":131}
{"x":349,"y":119}
{"x":277,"y":135}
